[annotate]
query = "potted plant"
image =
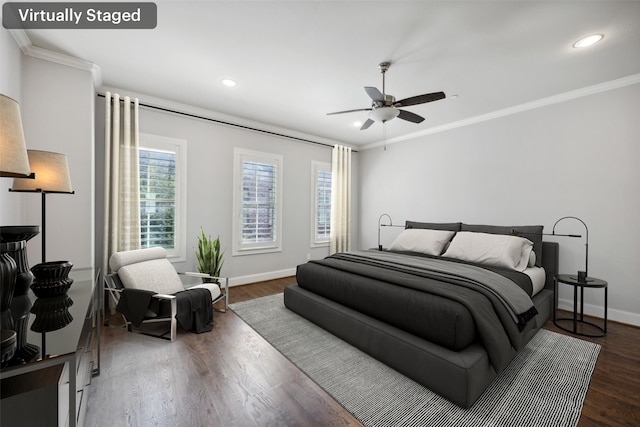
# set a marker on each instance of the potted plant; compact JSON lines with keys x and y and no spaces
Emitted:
{"x":210,"y":257}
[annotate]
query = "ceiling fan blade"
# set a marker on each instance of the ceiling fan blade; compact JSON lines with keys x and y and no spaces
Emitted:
{"x":420,"y":99}
{"x":349,"y":111}
{"x":409,"y":116}
{"x":366,"y":124}
{"x":374,"y":93}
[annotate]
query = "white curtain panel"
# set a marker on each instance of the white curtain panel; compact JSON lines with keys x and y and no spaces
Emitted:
{"x":122,"y":176}
{"x":340,"y":239}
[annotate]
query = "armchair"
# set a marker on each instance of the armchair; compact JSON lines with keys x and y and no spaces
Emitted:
{"x":146,"y":288}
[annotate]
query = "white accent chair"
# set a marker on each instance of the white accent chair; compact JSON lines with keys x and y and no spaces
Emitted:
{"x":149,"y":270}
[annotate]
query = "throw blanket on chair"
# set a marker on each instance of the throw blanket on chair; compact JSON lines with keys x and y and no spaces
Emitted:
{"x":134,"y":305}
{"x":195,"y":310}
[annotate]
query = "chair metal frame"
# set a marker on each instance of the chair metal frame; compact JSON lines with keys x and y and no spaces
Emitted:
{"x":114,"y":286}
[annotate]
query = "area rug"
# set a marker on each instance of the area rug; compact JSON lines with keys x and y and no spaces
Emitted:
{"x":545,"y":385}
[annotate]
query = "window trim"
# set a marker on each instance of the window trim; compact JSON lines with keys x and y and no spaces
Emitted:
{"x":238,"y":247}
{"x":179,"y":147}
{"x":317,"y":166}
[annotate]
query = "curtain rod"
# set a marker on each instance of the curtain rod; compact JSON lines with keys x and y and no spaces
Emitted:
{"x":195,"y":116}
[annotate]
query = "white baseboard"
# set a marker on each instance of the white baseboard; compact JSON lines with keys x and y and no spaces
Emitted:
{"x":252,"y":278}
{"x":598,"y":311}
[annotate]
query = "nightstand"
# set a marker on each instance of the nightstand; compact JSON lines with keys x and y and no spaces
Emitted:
{"x":578,"y":317}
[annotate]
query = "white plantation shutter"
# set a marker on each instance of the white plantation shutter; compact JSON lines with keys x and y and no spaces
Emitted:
{"x":157,"y":198}
{"x":321,"y":208}
{"x":163,"y":194}
{"x":257,"y":202}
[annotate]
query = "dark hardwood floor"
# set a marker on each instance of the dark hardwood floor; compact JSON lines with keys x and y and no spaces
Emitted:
{"x":233,"y":377}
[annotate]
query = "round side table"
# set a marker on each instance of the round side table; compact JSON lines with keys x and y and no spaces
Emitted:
{"x":578,"y":316}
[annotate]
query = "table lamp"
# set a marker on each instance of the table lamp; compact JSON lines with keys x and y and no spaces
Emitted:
{"x":52,"y":176}
{"x":582,"y":276}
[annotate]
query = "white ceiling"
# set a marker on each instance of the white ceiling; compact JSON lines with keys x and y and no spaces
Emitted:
{"x":295,"y":61}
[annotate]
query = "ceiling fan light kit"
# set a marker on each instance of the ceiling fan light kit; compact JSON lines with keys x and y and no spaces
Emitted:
{"x":382,"y":114}
{"x":384,"y":107}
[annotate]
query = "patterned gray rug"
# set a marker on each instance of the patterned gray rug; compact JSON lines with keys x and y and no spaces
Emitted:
{"x":545,"y":385}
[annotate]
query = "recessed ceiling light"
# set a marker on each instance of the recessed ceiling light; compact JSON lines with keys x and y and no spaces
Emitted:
{"x":357,"y":124}
{"x":229,"y":82}
{"x":588,"y":41}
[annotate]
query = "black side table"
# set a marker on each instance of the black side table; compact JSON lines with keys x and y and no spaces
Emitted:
{"x":591,"y":282}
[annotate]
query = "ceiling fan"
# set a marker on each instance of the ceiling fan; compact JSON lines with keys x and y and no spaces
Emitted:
{"x":385,"y":107}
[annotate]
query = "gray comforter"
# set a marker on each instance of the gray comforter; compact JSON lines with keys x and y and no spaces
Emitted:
{"x":501,"y":310}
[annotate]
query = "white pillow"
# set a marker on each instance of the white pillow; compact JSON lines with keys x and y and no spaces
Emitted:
{"x":157,"y":275}
{"x":491,"y":249}
{"x":430,"y":242}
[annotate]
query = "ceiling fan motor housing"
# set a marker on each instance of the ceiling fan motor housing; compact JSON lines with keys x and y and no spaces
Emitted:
{"x":389,"y":100}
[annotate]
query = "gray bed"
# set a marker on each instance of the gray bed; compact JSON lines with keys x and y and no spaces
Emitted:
{"x":422,"y":315}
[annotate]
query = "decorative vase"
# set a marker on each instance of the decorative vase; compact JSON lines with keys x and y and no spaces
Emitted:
{"x":8,"y":347}
{"x":51,"y":278}
{"x":20,"y":235}
{"x":14,"y":239}
{"x":52,"y":313}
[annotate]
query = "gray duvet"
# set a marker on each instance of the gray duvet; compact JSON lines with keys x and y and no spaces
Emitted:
{"x":449,"y":303}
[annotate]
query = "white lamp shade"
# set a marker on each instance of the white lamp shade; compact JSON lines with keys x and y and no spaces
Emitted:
{"x":52,"y":173}
{"x":13,"y":151}
{"x":382,"y":114}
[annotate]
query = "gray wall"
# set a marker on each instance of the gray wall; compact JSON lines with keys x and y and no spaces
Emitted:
{"x":57,"y":115}
{"x":210,"y":178}
{"x":579,"y":158}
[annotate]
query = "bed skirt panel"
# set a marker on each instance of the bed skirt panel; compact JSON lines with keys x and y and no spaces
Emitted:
{"x":460,"y":376}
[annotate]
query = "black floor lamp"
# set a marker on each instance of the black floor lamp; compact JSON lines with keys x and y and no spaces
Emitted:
{"x":14,"y":162}
{"x":52,"y":176}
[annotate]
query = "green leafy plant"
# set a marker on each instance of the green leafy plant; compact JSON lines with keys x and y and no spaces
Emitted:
{"x":210,"y":257}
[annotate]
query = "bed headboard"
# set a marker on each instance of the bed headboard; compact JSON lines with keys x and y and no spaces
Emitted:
{"x":550,"y":259}
{"x":534,"y":233}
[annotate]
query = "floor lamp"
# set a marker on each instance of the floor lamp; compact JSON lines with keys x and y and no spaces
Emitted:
{"x":14,"y":162}
{"x":52,"y":176}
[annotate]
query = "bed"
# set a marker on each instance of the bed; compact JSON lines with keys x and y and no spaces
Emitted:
{"x":448,"y":304}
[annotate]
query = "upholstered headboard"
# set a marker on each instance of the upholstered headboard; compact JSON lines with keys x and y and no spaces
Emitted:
{"x":550,"y":260}
{"x":548,"y":250}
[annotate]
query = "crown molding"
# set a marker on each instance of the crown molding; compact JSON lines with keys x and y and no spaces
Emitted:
{"x":23,"y":41}
{"x":551,"y":100}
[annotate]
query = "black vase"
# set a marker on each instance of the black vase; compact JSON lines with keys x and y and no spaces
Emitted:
{"x":51,"y":278}
{"x":13,"y":244}
{"x":20,"y":235}
{"x":52,"y":313}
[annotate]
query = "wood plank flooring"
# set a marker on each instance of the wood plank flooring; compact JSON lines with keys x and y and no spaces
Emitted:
{"x":233,"y":377}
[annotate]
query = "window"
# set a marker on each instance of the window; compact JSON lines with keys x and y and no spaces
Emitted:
{"x":257,"y":202}
{"x":162,"y":194}
{"x":321,"y":203}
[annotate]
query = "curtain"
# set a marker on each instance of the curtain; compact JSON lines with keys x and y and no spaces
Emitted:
{"x":122,"y":177}
{"x":340,"y":238}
